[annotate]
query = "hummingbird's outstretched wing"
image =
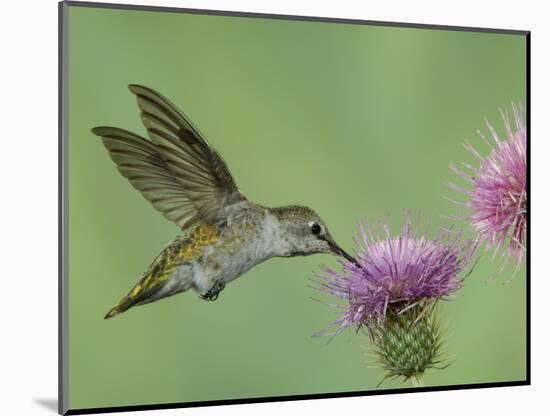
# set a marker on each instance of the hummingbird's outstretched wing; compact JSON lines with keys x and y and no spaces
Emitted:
{"x":176,"y":170}
{"x":139,"y":161}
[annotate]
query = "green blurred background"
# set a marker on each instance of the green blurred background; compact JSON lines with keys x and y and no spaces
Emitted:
{"x":358,"y":122}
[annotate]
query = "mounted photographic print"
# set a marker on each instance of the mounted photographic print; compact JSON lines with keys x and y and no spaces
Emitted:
{"x":266,"y":208}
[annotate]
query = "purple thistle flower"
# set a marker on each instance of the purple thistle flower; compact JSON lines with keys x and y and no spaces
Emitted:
{"x":397,"y":273}
{"x":497,"y":201}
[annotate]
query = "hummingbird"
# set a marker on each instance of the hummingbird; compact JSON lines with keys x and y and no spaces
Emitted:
{"x":223,"y":234}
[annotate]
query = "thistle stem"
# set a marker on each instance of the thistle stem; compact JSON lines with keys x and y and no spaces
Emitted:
{"x":417,"y":381}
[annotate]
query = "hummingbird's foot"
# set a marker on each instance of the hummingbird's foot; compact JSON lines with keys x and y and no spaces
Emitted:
{"x":213,"y":293}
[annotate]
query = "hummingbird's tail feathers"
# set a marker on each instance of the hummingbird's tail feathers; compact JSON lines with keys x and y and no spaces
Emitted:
{"x":141,"y":293}
{"x":125,"y":304}
{"x":145,"y":290}
{"x":111,"y":313}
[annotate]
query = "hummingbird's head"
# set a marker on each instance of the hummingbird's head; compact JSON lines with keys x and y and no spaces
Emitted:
{"x":305,"y":233}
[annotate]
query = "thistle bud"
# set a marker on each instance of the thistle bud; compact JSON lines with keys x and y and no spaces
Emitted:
{"x":408,"y":342}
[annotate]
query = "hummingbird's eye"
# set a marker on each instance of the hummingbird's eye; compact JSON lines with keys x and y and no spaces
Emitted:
{"x":315,"y":228}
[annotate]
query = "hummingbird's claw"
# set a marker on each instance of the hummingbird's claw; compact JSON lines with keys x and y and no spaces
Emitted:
{"x":214,"y":292}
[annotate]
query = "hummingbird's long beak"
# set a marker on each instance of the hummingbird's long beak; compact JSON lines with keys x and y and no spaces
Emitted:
{"x":339,"y":251}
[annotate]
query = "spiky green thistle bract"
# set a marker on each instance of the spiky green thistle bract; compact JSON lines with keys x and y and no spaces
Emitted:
{"x":408,"y":342}
{"x":392,"y":291}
